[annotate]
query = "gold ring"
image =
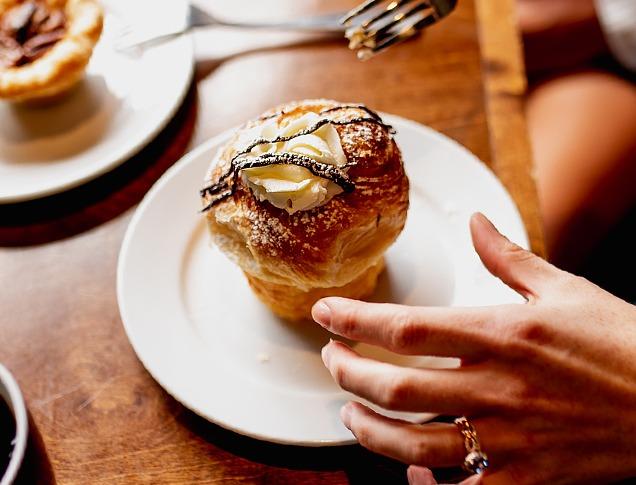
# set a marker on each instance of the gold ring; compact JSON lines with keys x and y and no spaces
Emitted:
{"x":476,"y":461}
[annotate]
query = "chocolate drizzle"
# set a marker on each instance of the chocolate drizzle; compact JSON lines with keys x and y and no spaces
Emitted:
{"x":226,"y":185}
{"x":324,"y":170}
{"x":361,"y":107}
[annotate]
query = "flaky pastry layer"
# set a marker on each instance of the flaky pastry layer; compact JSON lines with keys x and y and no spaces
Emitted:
{"x":324,"y":248}
{"x":290,"y":303}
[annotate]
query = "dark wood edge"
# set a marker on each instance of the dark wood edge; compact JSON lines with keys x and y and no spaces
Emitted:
{"x":505,"y":87}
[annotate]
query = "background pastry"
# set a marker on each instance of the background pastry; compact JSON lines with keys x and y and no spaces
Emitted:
{"x":306,"y":199}
{"x":45,"y":46}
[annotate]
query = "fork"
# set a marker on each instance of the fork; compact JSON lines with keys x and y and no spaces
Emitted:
{"x":374,"y":26}
{"x":198,"y":18}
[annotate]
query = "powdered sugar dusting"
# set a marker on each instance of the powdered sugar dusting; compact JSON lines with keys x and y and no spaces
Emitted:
{"x":306,"y":237}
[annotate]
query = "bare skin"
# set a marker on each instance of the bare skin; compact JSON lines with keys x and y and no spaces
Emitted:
{"x":582,"y":124}
{"x":583,"y":130}
{"x":550,"y":386}
{"x":559,"y":33}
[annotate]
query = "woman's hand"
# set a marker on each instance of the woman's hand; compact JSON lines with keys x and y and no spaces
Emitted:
{"x":550,"y":386}
{"x":559,"y":33}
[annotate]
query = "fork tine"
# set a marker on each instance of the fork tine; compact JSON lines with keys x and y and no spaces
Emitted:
{"x":381,"y":32}
{"x":359,"y":10}
{"x":405,"y":34}
{"x":393,"y":23}
{"x":392,"y":7}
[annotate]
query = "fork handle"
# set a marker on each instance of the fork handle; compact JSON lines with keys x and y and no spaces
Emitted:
{"x":326,"y":24}
{"x":321,"y":24}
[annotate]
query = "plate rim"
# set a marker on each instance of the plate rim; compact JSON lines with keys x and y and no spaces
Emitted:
{"x":167,"y":177}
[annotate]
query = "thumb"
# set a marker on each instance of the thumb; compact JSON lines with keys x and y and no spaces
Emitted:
{"x":419,"y":475}
{"x":521,"y":270}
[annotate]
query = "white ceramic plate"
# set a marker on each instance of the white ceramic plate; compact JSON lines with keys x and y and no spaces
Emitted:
{"x":200,"y":332}
{"x":124,"y":101}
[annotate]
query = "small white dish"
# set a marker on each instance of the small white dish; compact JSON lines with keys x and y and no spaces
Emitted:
{"x":10,"y":392}
{"x":207,"y":340}
{"x":124,"y":101}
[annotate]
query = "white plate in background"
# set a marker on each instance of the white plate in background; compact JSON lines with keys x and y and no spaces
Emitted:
{"x":124,"y":101}
{"x":207,"y":340}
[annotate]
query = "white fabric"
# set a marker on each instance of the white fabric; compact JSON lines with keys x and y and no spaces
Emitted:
{"x":618,"y":19}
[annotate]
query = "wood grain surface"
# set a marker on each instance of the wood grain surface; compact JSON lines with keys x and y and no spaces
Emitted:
{"x":505,"y":86}
{"x":101,"y":416}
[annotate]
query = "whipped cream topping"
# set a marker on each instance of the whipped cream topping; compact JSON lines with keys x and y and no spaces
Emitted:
{"x":291,"y":187}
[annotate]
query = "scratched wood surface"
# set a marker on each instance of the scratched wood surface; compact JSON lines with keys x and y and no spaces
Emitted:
{"x":101,"y":417}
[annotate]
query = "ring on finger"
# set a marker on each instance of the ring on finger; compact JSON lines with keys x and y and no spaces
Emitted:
{"x":476,"y":461}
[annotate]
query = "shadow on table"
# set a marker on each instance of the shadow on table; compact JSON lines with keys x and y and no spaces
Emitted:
{"x":98,"y":201}
{"x":360,"y":466}
{"x":36,"y":468}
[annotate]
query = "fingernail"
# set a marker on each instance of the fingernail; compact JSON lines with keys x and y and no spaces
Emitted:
{"x":324,"y":353}
{"x":345,"y":414}
{"x":411,"y":475}
{"x":418,"y":475}
{"x":480,"y":218}
{"x":321,"y":313}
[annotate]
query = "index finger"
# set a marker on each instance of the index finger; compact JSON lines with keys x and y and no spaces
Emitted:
{"x":439,"y":331}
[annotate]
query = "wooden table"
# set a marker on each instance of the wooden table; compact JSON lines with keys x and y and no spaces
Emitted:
{"x":101,"y":416}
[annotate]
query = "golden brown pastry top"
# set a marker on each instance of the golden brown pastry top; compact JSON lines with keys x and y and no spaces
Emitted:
{"x":28,"y":30}
{"x":328,"y":245}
